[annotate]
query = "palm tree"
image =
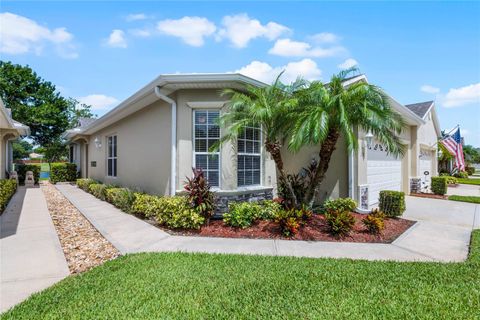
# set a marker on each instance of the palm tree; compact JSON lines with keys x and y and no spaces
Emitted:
{"x":269,"y":108}
{"x":327,"y":111}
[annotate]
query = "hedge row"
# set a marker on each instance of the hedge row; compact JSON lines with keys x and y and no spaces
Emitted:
{"x":22,"y":171}
{"x":63,"y":172}
{"x":7,"y":190}
{"x":439,"y":185}
{"x":392,"y":203}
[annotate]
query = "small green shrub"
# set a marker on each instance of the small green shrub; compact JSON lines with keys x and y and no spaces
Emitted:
{"x":374,"y":222}
{"x":392,"y":203}
{"x":22,"y":170}
{"x":242,"y":214}
{"x":122,"y":198}
{"x":451,"y":180}
{"x":461,"y":174}
{"x":340,"y":204}
{"x":470,"y":170}
{"x":289,"y":221}
{"x":439,"y":185}
{"x":7,"y":190}
{"x":146,"y":205}
{"x":63,"y":172}
{"x":268,"y":209}
{"x":99,"y":190}
{"x":84,"y":184}
{"x":340,"y":223}
{"x":177,"y":213}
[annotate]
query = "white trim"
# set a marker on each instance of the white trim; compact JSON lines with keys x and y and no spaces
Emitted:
{"x":259,"y":154}
{"x":113,"y":157}
{"x":206,"y":104}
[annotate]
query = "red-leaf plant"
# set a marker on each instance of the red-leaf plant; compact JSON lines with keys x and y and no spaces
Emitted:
{"x":199,"y":194}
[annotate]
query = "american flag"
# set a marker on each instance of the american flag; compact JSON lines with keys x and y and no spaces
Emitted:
{"x":453,"y":143}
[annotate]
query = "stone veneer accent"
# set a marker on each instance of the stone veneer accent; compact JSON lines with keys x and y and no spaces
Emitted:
{"x":415,"y":185}
{"x":224,"y":197}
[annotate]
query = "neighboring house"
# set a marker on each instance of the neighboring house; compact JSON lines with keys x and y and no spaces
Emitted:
{"x":151,"y":141}
{"x":9,"y":130}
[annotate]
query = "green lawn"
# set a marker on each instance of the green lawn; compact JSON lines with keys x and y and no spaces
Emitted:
{"x":471,"y":199}
{"x":203,"y":286}
{"x":469,"y":181}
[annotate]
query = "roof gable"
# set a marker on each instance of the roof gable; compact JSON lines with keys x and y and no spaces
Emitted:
{"x":421,"y":108}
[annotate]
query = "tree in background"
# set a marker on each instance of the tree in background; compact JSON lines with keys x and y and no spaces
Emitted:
{"x":21,"y":149}
{"x":77,"y":111}
{"x":472,"y":155}
{"x":55,"y":151}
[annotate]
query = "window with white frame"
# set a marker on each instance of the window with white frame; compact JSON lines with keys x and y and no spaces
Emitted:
{"x":206,"y":134}
{"x":249,"y":157}
{"x":112,"y":156}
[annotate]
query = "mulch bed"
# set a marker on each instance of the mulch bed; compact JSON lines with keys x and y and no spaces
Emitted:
{"x":84,"y":247}
{"x":315,"y":230}
{"x":429,"y":195}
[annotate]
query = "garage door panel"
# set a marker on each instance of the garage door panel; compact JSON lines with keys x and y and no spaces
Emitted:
{"x":426,"y":165}
{"x":384,"y":172}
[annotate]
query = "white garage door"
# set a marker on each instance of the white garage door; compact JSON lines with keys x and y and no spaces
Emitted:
{"x":384,"y":172}
{"x":425,"y":166}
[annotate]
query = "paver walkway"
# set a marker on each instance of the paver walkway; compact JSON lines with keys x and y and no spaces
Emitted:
{"x":426,"y":241}
{"x":31,"y":257}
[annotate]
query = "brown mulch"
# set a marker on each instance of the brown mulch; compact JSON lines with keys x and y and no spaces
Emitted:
{"x":84,"y":247}
{"x":429,"y":195}
{"x":314,"y":230}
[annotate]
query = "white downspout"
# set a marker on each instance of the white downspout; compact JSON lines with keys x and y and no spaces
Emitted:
{"x":351,"y":174}
{"x":173,"y":151}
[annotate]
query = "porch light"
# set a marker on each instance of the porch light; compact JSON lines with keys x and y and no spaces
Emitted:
{"x":369,"y":139}
{"x":98,"y":143}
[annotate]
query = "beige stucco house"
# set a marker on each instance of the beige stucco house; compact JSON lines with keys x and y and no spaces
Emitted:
{"x":151,"y":141}
{"x":9,"y":131}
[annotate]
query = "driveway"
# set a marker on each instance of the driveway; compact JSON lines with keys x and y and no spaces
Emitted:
{"x":31,"y":256}
{"x":464,"y":190}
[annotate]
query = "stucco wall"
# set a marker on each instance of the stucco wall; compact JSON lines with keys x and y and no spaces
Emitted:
{"x":336,"y":180}
{"x":143,"y":141}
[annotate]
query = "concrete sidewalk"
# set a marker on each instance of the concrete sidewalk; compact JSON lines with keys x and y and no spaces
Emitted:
{"x":31,"y":256}
{"x":426,"y":241}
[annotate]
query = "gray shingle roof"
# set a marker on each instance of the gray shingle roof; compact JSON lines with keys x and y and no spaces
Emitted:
{"x":83,"y":122}
{"x":420,"y":109}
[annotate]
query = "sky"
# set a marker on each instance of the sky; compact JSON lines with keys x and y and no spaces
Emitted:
{"x":102,"y":52}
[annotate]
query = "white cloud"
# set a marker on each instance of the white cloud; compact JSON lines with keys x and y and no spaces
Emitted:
{"x":290,"y":48}
{"x":142,"y":33}
{"x":348,"y":63}
{"x":240,"y":29}
{"x":429,"y":89}
{"x":21,"y":35}
{"x":325,"y":37}
{"x":98,"y":101}
{"x":136,"y":17}
{"x":457,"y":97}
{"x":306,"y":68}
{"x":117,"y":39}
{"x":192,"y":30}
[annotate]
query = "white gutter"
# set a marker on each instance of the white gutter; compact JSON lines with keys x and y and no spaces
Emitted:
{"x":173,"y":151}
{"x":351,"y":174}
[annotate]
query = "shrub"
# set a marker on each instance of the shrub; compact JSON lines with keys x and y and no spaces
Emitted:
{"x":242,"y":214}
{"x":122,"y":198}
{"x":63,"y":172}
{"x":176,"y":213}
{"x":451,"y":180}
{"x":374,"y":221}
{"x":289,"y":221}
{"x":22,"y":170}
{"x":199,"y":194}
{"x":340,"y":204}
{"x":470,"y":170}
{"x":268,"y":209}
{"x":439,"y":185}
{"x":85,"y":183}
{"x":7,"y":190}
{"x":392,"y":203}
{"x":99,"y":190}
{"x":146,"y":205}
{"x":461,"y":174}
{"x":340,"y":223}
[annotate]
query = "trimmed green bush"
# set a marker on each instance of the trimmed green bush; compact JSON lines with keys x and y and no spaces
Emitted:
{"x":451,"y":180}
{"x":242,"y":214}
{"x":392,"y":203}
{"x":22,"y":170}
{"x":470,"y":170}
{"x":268,"y":209}
{"x":63,"y":172}
{"x":7,"y":190}
{"x":461,"y":174}
{"x":177,"y":213}
{"x":99,"y":190}
{"x":85,"y":183}
{"x":439,"y":185}
{"x":146,"y":205}
{"x":122,"y":198}
{"x":340,"y":204}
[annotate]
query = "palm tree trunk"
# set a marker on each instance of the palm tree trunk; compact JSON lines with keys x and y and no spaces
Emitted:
{"x":274,"y":148}
{"x":325,"y":153}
